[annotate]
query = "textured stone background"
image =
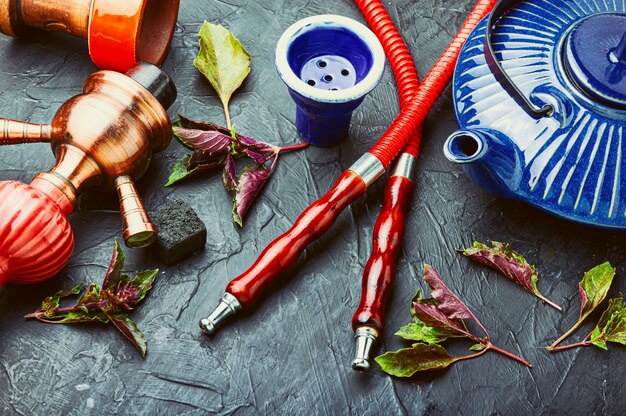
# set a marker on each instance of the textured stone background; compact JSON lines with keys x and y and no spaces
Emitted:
{"x":292,"y":355}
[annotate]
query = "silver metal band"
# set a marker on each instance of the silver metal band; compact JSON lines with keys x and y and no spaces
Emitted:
{"x":405,"y":167}
{"x":369,"y":168}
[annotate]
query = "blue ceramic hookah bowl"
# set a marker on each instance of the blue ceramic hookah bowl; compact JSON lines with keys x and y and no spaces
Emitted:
{"x":542,"y":116}
{"x":329,"y":64}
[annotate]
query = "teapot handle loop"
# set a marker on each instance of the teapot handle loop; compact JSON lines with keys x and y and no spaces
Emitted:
{"x":499,"y":10}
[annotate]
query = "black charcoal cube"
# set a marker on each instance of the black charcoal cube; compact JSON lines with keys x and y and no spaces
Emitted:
{"x":181,"y":232}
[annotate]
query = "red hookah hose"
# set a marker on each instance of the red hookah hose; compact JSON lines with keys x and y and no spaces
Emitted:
{"x":283,"y":252}
{"x":380,"y":269}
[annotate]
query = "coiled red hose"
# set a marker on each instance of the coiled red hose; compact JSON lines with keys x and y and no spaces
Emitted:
{"x":399,"y":57}
{"x":412,"y":116}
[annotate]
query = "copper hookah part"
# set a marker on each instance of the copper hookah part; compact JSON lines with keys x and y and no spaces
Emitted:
{"x":104,"y":139}
{"x":120,"y":33}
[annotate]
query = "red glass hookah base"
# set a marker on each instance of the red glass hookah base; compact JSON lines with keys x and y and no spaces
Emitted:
{"x":36,"y":240}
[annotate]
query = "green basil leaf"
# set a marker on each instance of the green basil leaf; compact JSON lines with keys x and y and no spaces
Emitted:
{"x":130,"y":330}
{"x":222,"y":60}
{"x":593,"y":288}
{"x":420,"y":357}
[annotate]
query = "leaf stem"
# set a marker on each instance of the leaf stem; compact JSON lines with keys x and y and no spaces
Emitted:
{"x":509,"y":354}
{"x":565,"y":335}
{"x":549,"y":302}
{"x":468,"y":357}
{"x":482,"y":327}
{"x":583,"y":343}
{"x":227,"y":114}
{"x":290,"y":148}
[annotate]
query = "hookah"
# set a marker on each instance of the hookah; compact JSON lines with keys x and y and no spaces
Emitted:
{"x":244,"y":291}
{"x":120,"y":33}
{"x":103,"y":138}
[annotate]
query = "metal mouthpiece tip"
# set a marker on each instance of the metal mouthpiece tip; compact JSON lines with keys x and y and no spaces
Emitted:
{"x":228,"y":306}
{"x":207,"y":327}
{"x":365,"y":338}
{"x":360,"y":365}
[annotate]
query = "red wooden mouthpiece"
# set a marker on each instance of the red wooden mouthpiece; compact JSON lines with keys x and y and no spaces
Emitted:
{"x":380,"y":270}
{"x":283,"y":252}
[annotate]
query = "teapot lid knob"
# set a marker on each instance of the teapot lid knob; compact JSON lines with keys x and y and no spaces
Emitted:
{"x":595,"y":58}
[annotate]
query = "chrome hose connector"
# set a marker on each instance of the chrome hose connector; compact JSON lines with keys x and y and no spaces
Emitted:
{"x":369,"y":168}
{"x":405,"y":167}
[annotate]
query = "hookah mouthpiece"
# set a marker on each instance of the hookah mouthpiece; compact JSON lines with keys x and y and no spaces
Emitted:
{"x":228,"y":306}
{"x":365,"y":337}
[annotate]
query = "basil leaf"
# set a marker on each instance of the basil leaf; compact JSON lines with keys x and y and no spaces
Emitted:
{"x":222,"y":60}
{"x":130,"y":330}
{"x":418,"y":331}
{"x":510,"y":263}
{"x":593,"y":288}
{"x":612,"y":325}
{"x":208,"y":141}
{"x":420,"y":357}
{"x":251,"y":181}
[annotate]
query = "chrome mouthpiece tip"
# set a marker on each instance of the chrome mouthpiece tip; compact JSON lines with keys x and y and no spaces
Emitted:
{"x":228,"y":306}
{"x":207,"y":327}
{"x":360,"y":365}
{"x":365,"y":337}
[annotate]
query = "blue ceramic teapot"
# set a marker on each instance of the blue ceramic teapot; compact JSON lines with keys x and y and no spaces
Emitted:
{"x":540,"y":97}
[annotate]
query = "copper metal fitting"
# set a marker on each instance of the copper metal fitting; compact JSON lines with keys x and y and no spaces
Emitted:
{"x":120,"y":33}
{"x":105,"y":138}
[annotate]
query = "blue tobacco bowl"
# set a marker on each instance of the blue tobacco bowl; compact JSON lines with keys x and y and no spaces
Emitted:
{"x":329,"y":63}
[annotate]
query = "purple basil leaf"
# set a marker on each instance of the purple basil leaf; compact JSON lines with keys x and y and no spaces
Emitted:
{"x":201,"y":125}
{"x":211,"y":142}
{"x":207,"y":126}
{"x":249,"y":142}
{"x":250,"y":184}
{"x":594,"y":286}
{"x":448,"y":302}
{"x":113,"y":274}
{"x":259,"y":158}
{"x":110,"y":304}
{"x":206,"y":161}
{"x":51,"y":303}
{"x":434,"y":318}
{"x":50,"y":312}
{"x":420,"y":357}
{"x":508,"y":262}
{"x":133,"y":291}
{"x":130,"y":330}
{"x":229,"y":174}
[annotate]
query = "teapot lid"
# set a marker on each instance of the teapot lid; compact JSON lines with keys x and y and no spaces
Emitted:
{"x":595,"y":58}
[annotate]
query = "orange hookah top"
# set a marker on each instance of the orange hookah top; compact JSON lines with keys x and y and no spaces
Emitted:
{"x":120,"y":33}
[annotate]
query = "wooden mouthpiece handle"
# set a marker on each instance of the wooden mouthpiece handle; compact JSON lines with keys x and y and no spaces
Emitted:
{"x":380,"y":270}
{"x":283,"y":252}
